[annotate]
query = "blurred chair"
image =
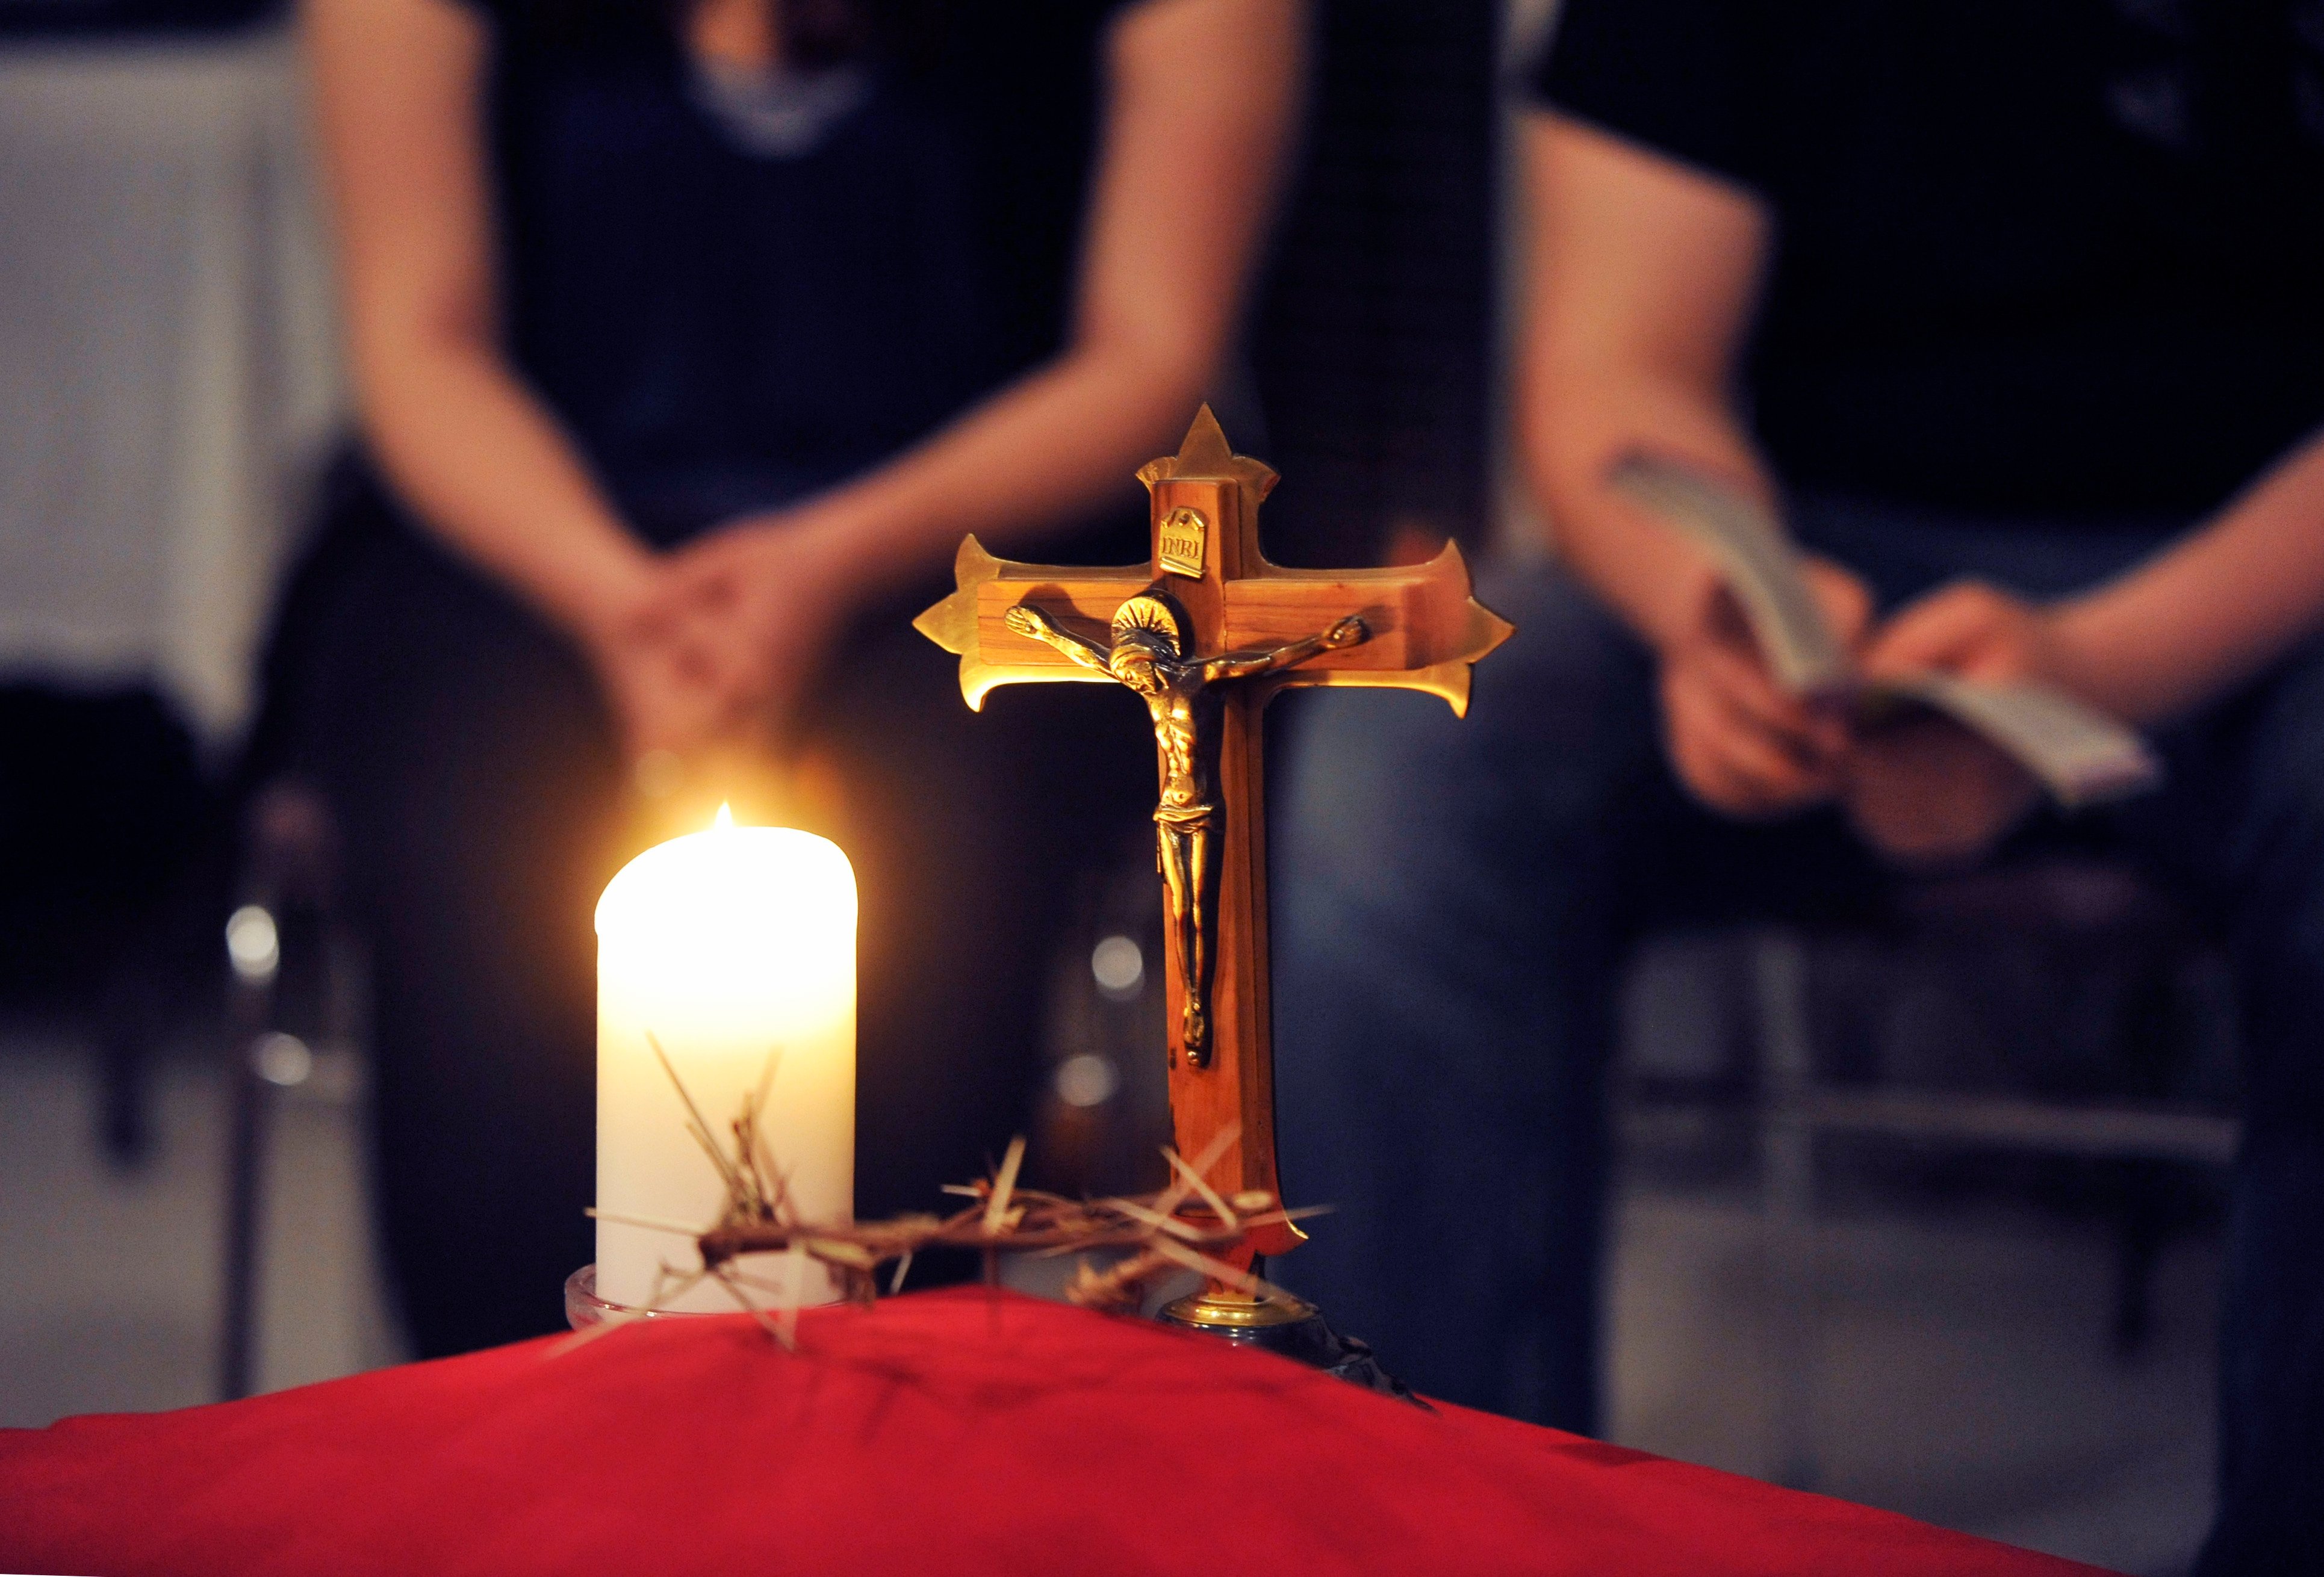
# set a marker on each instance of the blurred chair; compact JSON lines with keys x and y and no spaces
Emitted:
{"x":296,"y":1003}
{"x":2078,"y":1028}
{"x":108,"y":817}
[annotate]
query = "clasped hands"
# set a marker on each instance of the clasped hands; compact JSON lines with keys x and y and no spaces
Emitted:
{"x":711,"y":644}
{"x":1920,"y":789}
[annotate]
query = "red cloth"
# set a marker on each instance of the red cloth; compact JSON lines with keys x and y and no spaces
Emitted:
{"x":946,"y":1431}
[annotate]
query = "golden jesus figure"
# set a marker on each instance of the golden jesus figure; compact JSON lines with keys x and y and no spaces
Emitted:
{"x":1149,"y":655}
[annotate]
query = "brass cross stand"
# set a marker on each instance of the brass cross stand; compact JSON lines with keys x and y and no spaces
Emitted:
{"x":1206,"y":633}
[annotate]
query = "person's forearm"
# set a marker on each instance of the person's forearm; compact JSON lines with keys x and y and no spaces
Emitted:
{"x":1057,"y":446}
{"x":1640,"y":291}
{"x":2210,"y":611}
{"x":488,"y":470}
{"x":1579,"y":428}
{"x":400,"y":108}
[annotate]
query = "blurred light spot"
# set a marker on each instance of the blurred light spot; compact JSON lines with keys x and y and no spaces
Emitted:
{"x":1119,"y":967}
{"x":282,"y":1059}
{"x":659,"y":774}
{"x":1087,"y":1080}
{"x":725,"y":817}
{"x":251,"y":942}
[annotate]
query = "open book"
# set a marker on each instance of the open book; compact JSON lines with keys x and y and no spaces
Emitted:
{"x":2079,"y":753}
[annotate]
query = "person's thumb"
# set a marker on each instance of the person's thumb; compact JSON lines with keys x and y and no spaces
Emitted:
{"x":1845,"y":599}
{"x":1943,"y":630}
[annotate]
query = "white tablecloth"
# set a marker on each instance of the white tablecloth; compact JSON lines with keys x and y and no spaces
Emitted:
{"x":168,"y":380}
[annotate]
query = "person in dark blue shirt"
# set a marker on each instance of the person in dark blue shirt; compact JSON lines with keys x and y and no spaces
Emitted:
{"x":2017,"y":311}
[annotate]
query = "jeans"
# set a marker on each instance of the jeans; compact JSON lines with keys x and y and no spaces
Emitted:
{"x":1454,"y":899}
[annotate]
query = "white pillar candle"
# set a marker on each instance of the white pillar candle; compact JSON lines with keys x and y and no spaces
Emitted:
{"x":723,"y":946}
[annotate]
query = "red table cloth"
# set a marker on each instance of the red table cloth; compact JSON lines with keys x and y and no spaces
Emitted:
{"x":951,"y":1430}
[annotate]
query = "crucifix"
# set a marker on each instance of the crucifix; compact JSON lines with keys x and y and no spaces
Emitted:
{"x":1206,"y":632}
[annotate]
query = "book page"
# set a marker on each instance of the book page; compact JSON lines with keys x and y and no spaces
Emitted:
{"x":2081,"y":755}
{"x":1762,"y":569}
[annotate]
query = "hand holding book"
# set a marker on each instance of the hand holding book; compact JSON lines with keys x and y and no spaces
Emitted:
{"x":1926,"y":663}
{"x":1741,"y":740}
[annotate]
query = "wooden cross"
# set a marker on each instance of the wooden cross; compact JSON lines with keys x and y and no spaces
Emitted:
{"x":1421,"y":630}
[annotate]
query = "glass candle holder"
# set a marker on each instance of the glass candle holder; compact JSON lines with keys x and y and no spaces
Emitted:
{"x":584,"y":1309}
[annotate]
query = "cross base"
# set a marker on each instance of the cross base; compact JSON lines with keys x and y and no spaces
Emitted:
{"x":1288,"y":1327}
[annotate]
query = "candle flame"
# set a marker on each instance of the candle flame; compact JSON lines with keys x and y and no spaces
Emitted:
{"x":726,"y":816}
